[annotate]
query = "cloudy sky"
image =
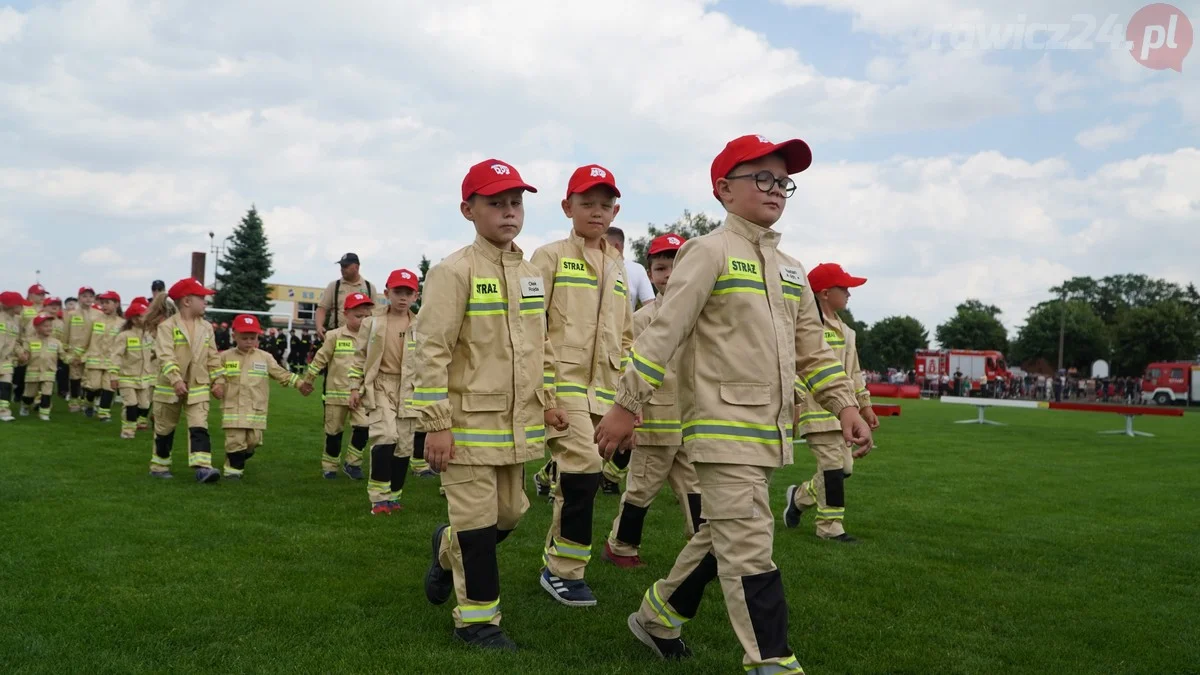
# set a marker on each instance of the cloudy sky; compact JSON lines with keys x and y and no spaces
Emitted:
{"x":944,"y":168}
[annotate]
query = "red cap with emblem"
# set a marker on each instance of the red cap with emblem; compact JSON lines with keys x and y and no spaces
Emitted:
{"x":37,"y":289}
{"x":796,"y":154}
{"x":402,"y":279}
{"x":588,"y":177}
{"x":246,"y":323}
{"x":359,"y":299}
{"x":109,"y":295}
{"x":41,"y":319}
{"x":185,"y":287}
{"x":492,"y":176}
{"x":666,"y":242}
{"x":135,"y":309}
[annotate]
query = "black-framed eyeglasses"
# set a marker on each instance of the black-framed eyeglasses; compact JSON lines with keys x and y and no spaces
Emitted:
{"x":765,"y":180}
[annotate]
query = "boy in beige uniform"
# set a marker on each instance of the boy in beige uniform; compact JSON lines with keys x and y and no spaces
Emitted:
{"x":336,"y":357}
{"x":659,"y":457}
{"x":188,"y":365}
{"x":381,"y":382}
{"x":34,"y":298}
{"x":741,"y":312}
{"x":480,"y":387}
{"x":11,"y":304}
{"x":820,"y":429}
{"x":97,"y":359}
{"x":133,"y":370}
{"x":43,"y":350}
{"x":246,"y":393}
{"x":590,"y":324}
{"x":78,"y":336}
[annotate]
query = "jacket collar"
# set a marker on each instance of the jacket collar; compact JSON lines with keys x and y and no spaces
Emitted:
{"x":581,"y":245}
{"x":756,"y":234}
{"x":503,"y":258}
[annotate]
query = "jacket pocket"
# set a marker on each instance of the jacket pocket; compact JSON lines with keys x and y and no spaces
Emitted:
{"x":660,"y":397}
{"x":615,"y":361}
{"x":729,"y":501}
{"x":484,"y":402}
{"x":745,"y":393}
{"x":569,"y":354}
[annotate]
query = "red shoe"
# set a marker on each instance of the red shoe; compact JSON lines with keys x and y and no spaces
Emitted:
{"x":625,"y":562}
{"x":381,"y":509}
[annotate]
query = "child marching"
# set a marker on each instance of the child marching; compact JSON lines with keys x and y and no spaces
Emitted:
{"x":133,"y":375}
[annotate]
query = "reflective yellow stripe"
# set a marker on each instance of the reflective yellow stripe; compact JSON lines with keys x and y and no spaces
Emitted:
{"x":823,"y":375}
{"x":483,"y":438}
{"x":731,"y":431}
{"x":479,"y":613}
{"x":650,"y":371}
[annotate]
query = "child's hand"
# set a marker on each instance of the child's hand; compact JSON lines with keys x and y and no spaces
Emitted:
{"x":355,"y":400}
{"x":114,"y":384}
{"x":557,"y":418}
{"x":305,"y":388}
{"x":439,"y":449}
{"x":181,"y":389}
{"x":614,"y":432}
{"x":218,"y":391}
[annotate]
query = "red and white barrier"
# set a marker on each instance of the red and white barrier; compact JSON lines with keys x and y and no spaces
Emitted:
{"x":1128,"y":411}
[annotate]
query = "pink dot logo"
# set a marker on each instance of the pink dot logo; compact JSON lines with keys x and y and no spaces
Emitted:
{"x":1160,"y":37}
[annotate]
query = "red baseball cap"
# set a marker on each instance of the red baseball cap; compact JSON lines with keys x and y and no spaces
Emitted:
{"x":51,"y":301}
{"x":185,"y":287}
{"x":358,"y":299}
{"x":41,"y":319}
{"x":14,"y":299}
{"x":588,"y":177}
{"x":86,"y":289}
{"x":135,"y":309}
{"x":666,"y":242}
{"x":831,"y":275}
{"x":796,"y":154}
{"x":490,"y":177}
{"x":140,"y":300}
{"x":37,"y":289}
{"x":109,"y":295}
{"x":246,"y":323}
{"x":402,"y":278}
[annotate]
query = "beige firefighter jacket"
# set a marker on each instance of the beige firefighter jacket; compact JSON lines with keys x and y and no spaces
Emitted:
{"x":10,"y":341}
{"x":483,"y":365}
{"x":368,"y":356}
{"x":742,"y":314}
{"x":589,"y":319}
{"x":105,"y":328}
{"x":132,"y":359}
{"x":660,"y":415}
{"x":196,"y":363}
{"x":43,"y":359}
{"x":247,"y":392}
{"x":79,"y":331}
{"x":336,"y":358}
{"x":843,"y":341}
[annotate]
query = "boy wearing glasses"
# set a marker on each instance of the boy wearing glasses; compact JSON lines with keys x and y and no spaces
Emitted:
{"x":752,"y":344}
{"x":590,"y":323}
{"x":821,"y":430}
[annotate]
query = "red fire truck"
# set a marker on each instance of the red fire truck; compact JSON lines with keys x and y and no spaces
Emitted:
{"x":973,"y":364}
{"x":1171,"y":382}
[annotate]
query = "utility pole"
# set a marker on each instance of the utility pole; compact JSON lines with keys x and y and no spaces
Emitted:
{"x":1062,"y":328}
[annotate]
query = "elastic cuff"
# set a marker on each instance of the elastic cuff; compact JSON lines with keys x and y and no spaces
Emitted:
{"x":434,"y":424}
{"x":629,"y":403}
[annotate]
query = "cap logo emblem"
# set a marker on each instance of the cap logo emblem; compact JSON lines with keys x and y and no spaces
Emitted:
{"x":500,"y":169}
{"x":248,"y":320}
{"x":762,"y":139}
{"x":405,"y":275}
{"x":597,"y":172}
{"x":674,"y":241}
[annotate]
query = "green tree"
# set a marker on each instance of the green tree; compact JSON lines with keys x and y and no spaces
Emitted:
{"x":1164,"y":331}
{"x":1086,"y":338}
{"x":245,"y":268}
{"x":973,"y":326}
{"x":892,"y":342}
{"x":423,"y":269}
{"x":689,"y":226}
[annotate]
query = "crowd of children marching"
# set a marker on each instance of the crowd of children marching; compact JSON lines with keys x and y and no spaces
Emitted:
{"x":706,"y":388}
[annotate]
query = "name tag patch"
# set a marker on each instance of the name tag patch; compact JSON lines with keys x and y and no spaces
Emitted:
{"x":793,"y":275}
{"x":260,"y":367}
{"x":531,"y":287}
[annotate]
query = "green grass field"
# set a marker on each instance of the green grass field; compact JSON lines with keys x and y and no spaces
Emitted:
{"x":1039,"y":547}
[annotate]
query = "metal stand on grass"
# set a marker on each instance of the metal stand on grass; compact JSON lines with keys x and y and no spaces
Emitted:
{"x":981,"y":419}
{"x":1128,"y":430}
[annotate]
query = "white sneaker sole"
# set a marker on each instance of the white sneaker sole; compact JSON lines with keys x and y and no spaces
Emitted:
{"x":640,"y":633}
{"x":569,"y":603}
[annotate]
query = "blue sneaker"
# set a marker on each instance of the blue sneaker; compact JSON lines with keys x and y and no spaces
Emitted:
{"x":354,"y":472}
{"x":329,"y":475}
{"x":89,"y":412}
{"x":570,"y":592}
{"x":207,"y":475}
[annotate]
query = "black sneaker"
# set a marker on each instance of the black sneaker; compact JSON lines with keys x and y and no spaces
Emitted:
{"x":610,"y":487}
{"x":485,"y":636}
{"x":439,"y":581}
{"x":542,"y":483}
{"x":570,"y":592}
{"x":844,"y":538}
{"x":792,"y":513}
{"x":207,"y":475}
{"x":666,"y":648}
{"x":354,"y":472}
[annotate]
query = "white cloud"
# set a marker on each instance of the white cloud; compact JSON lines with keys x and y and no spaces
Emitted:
{"x":1101,"y":136}
{"x":101,"y":256}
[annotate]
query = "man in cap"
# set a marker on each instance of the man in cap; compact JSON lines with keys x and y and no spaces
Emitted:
{"x":330,"y":310}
